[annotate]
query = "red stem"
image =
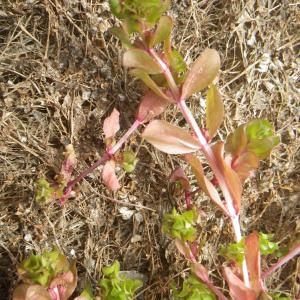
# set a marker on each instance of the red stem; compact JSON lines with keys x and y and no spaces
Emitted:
{"x":294,"y":252}
{"x":207,"y":151}
{"x":107,"y":156}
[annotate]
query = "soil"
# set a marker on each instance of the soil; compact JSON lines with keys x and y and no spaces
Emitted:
{"x":61,"y":75}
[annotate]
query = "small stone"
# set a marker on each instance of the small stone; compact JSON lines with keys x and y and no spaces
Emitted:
{"x":136,"y":238}
{"x":126,"y":213}
{"x":28,"y":237}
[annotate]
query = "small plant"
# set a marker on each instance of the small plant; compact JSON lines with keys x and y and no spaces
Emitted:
{"x":48,"y":276}
{"x":115,"y":286}
{"x":150,"y":57}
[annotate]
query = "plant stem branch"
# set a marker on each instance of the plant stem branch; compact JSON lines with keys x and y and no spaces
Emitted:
{"x":206,"y":149}
{"x":107,"y":155}
{"x":294,"y":252}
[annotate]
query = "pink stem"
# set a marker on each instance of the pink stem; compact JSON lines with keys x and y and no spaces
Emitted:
{"x":206,"y":149}
{"x":294,"y":252}
{"x":107,"y":155}
{"x":188,"y":199}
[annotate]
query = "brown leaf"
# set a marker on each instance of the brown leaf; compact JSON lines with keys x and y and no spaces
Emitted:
{"x":237,"y":288}
{"x":151,"y":106}
{"x":203,"y":182}
{"x":169,"y":139}
{"x":252,"y":255}
{"x":111,"y":124}
{"x":140,"y":59}
{"x":214,"y":111}
{"x":109,"y":176}
{"x":202,"y":73}
{"x":230,"y":176}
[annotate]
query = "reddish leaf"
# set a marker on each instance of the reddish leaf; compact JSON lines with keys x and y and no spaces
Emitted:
{"x":68,"y":164}
{"x":178,"y":175}
{"x":140,"y":59}
{"x":31,"y":292}
{"x":252,"y":255}
{"x":109,"y":176}
{"x":245,"y":164}
{"x":151,"y":106}
{"x":111,"y":124}
{"x":237,"y":288}
{"x":236,"y":142}
{"x":163,"y":30}
{"x":149,"y":82}
{"x":169,"y":139}
{"x":202,"y":73}
{"x":201,"y":272}
{"x":214,"y":111}
{"x":229,"y":175}
{"x":203,"y":182}
{"x":183,"y":248}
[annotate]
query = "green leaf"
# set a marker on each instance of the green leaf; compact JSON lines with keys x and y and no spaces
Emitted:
{"x":87,"y":293}
{"x":234,"y":251}
{"x":140,"y":59}
{"x":41,"y":269}
{"x":129,"y":161}
{"x":115,"y":286}
{"x":266,"y":245}
{"x":192,"y":289}
{"x":202,"y":73}
{"x":259,"y":129}
{"x":181,"y":226}
{"x":177,"y":62}
{"x":43,"y":191}
{"x":263,"y":147}
{"x":214,"y":110}
{"x":163,"y":30}
{"x":116,"y":8}
{"x":142,"y":75}
{"x":279,"y":297}
{"x":122,"y":36}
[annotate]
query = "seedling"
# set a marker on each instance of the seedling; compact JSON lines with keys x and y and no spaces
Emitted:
{"x":150,"y":57}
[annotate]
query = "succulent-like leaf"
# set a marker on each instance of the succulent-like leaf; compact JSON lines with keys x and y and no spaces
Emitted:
{"x":252,"y":255}
{"x":178,"y":175}
{"x":214,"y":110}
{"x":193,"y":289}
{"x":44,"y":192}
{"x":237,"y":288}
{"x":109,"y":176}
{"x":141,"y":74}
{"x":245,"y":164}
{"x":203,"y":182}
{"x":169,"y":139}
{"x":174,"y":58}
{"x":234,"y":252}
{"x":111,"y":124}
{"x":181,"y":226}
{"x":140,"y":59}
{"x":266,"y":245}
{"x":163,"y":30}
{"x":236,"y":142}
{"x":202,"y":73}
{"x":151,"y":106}
{"x":115,"y":286}
{"x":183,"y":248}
{"x":230,"y":176}
{"x":31,"y":292}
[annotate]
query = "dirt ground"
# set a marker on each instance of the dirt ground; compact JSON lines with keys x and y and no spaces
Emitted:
{"x":60,"y":76}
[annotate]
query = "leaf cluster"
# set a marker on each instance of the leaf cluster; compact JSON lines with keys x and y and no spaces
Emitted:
{"x":115,"y":286}
{"x":192,"y":289}
{"x":181,"y":225}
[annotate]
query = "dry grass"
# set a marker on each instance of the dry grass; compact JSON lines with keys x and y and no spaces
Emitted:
{"x":60,"y":75}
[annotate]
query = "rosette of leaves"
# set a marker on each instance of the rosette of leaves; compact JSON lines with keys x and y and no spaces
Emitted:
{"x":116,"y":286}
{"x":48,"y":276}
{"x":181,"y":226}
